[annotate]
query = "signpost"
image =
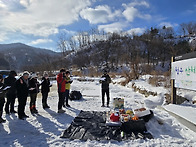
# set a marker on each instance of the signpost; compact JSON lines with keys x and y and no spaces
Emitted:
{"x":183,"y":73}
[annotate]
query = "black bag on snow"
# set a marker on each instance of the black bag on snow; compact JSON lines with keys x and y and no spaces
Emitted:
{"x":75,"y":95}
{"x":134,"y":126}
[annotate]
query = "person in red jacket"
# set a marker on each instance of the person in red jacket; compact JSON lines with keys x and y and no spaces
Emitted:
{"x":61,"y":89}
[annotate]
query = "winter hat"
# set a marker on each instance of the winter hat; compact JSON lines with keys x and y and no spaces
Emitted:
{"x":67,"y":72}
{"x":105,"y":71}
{"x":13,"y":73}
{"x":62,"y":70}
{"x":45,"y":74}
{"x":26,"y":73}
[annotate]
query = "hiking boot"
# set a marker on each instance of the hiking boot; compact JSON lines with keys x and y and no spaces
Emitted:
{"x":32,"y":111}
{"x":103,"y":106}
{"x":35,"y":111}
{"x":61,"y":111}
{"x":2,"y":120}
{"x":25,"y":116}
{"x":13,"y":111}
{"x":7,"y":112}
{"x":47,"y":106}
{"x":68,"y":105}
{"x":20,"y":117}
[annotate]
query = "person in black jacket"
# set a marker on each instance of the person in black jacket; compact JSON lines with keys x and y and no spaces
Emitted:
{"x":22,"y":87}
{"x":105,"y":81}
{"x":45,"y":89}
{"x":33,"y":91}
{"x":2,"y":98}
{"x":11,"y":93}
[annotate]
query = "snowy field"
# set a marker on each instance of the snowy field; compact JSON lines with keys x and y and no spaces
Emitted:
{"x":46,"y":128}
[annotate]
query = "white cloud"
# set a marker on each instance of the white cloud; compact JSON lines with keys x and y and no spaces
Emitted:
{"x":39,"y":17}
{"x":168,"y":24}
{"x":136,"y":31}
{"x":131,"y":11}
{"x":2,"y":5}
{"x":139,"y":3}
{"x":25,"y":3}
{"x":40,"y":41}
{"x":114,"y":27}
{"x":3,"y":36}
{"x":101,"y":14}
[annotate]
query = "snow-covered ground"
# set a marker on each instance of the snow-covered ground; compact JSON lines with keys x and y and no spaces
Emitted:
{"x":46,"y":128}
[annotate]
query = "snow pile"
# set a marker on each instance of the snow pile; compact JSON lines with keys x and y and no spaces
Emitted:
{"x":187,"y":110}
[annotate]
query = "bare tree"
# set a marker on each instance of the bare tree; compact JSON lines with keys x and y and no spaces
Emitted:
{"x":73,"y":43}
{"x":188,"y":28}
{"x":62,"y":43}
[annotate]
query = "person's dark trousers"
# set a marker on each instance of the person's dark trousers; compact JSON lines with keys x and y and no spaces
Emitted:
{"x":44,"y":99}
{"x":105,"y":91}
{"x":21,"y":106}
{"x":66,"y":96}
{"x":33,"y":97}
{"x":2,"y":101}
{"x":10,"y":102}
{"x":61,"y":100}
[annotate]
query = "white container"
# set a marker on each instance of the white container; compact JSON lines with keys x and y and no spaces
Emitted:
{"x":118,"y":103}
{"x":139,"y":113}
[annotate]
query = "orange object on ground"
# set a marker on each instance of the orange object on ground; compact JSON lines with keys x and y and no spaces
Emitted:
{"x":135,"y":118}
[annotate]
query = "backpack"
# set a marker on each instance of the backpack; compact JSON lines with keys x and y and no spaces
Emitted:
{"x":75,"y":95}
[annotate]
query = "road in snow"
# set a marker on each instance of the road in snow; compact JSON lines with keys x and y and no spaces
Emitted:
{"x":46,"y":128}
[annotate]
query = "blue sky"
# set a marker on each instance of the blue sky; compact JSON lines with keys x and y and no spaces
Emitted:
{"x":39,"y":22}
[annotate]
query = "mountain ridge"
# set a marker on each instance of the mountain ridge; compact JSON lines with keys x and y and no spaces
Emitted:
{"x":19,"y":55}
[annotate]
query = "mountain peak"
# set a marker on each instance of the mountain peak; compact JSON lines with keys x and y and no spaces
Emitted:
{"x":19,"y":55}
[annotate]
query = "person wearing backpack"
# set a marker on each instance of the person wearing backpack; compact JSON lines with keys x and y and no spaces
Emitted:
{"x":61,"y":89}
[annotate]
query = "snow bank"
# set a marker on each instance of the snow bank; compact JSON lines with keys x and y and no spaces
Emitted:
{"x":46,"y":128}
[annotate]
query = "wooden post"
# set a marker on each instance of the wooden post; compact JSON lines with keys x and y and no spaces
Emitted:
{"x":173,"y":89}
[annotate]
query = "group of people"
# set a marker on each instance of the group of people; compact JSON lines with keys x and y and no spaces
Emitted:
{"x":64,"y":83}
{"x":28,"y":85}
{"x":22,"y":87}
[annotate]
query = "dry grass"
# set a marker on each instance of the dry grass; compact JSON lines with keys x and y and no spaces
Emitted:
{"x":125,"y":82}
{"x":77,"y":73}
{"x":147,"y":69}
{"x":113,"y":75}
{"x":156,"y":80}
{"x":153,"y":81}
{"x":167,"y":74}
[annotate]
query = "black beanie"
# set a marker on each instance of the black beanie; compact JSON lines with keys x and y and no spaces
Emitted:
{"x":13,"y":73}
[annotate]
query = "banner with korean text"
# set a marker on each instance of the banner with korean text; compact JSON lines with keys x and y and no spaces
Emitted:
{"x":184,"y":73}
